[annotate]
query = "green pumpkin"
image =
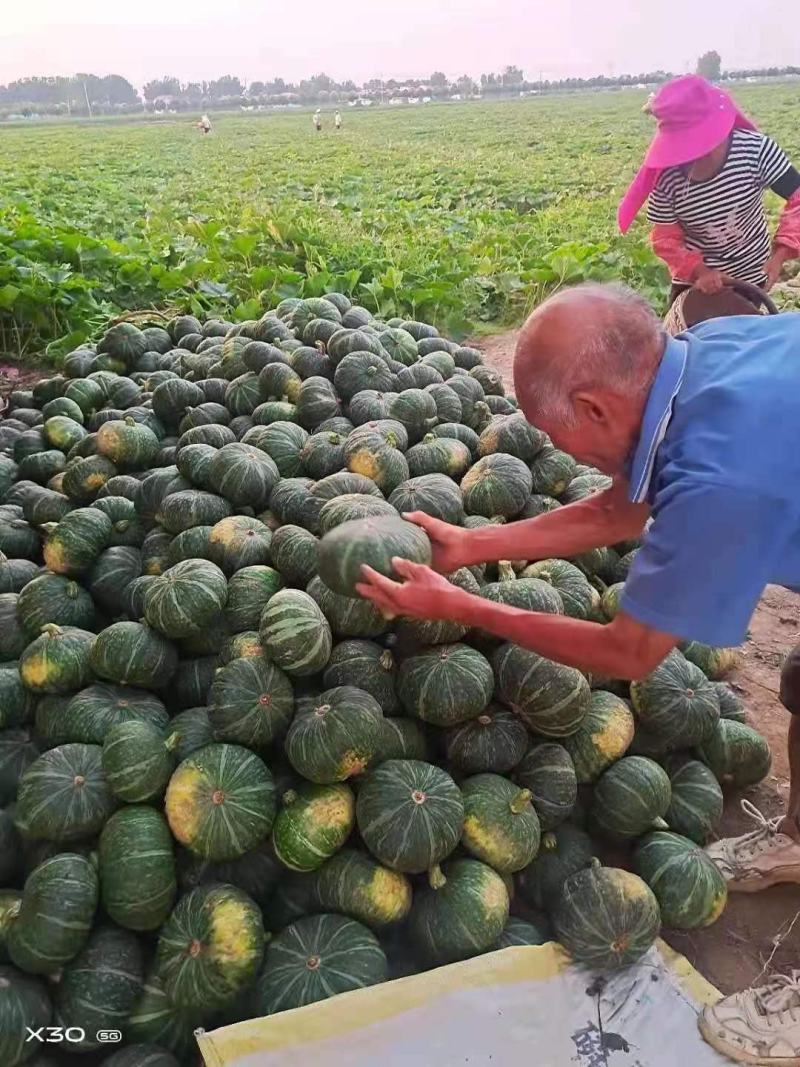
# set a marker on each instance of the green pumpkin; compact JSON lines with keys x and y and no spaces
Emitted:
{"x":690,"y":890}
{"x":362,"y":370}
{"x":562,"y":853}
{"x":186,"y":598}
{"x":220,"y":801}
{"x":547,"y":772}
{"x":409,"y":814}
{"x":249,"y":591}
{"x":520,"y":932}
{"x":278,"y":381}
{"x":239,"y":541}
{"x":58,"y":905}
{"x":731,"y":705}
{"x":293,"y":552}
{"x":353,"y":883}
{"x":42,"y":507}
{"x":16,"y":574}
{"x":137,"y":868}
{"x":322,"y":454}
{"x":113,"y":572}
{"x":528,"y":594}
{"x":193,"y":462}
{"x":351,"y":507}
{"x":41,"y":466}
{"x":677,"y":706}
{"x":696,"y":799}
{"x":445,"y":685}
{"x":128,"y":529}
{"x":316,"y":402}
{"x":192,"y":544}
{"x":334,"y":736}
{"x":57,"y":661}
{"x":84,"y":478}
{"x":63,"y":433}
{"x":243,"y":475}
{"x":93,"y":711}
{"x":439,"y":455}
{"x":374,"y":435}
{"x":295,"y":633}
{"x":131,"y":446}
{"x":630,"y":798}
{"x":501,"y":826}
{"x":99,"y":987}
{"x":498,"y":484}
{"x":155,"y":1021}
{"x":292,"y":502}
{"x":459,"y":432}
{"x":606,"y":918}
{"x":549,"y":698}
{"x":131,"y":653}
{"x":64,"y":795}
{"x":342,"y":483}
{"x":372,"y":542}
{"x":511,"y":435}
{"x":367,"y":666}
{"x":386,"y":467}
{"x":212,"y":434}
{"x":156,"y":554}
{"x":16,"y":700}
{"x":435,"y":494}
{"x":581,"y":600}
{"x":137,"y":761}
{"x":495,"y":741}
{"x":415,"y":409}
{"x":317,"y":957}
{"x":17,"y":753}
{"x":191,"y":507}
{"x":737,"y":754}
{"x":400,"y":345}
{"x":402,"y":738}
{"x":246,"y":645}
{"x":312,"y":824}
{"x":24,"y":1006}
{"x":77,"y":541}
{"x":210,"y":948}
{"x":250,"y":702}
{"x":552,"y":470}
{"x":193,"y":730}
{"x":460,"y":915}
{"x":604,"y":736}
{"x":171,"y":398}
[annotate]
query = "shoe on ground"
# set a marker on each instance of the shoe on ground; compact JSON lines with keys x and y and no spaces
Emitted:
{"x":759,"y":859}
{"x":758,"y":1026}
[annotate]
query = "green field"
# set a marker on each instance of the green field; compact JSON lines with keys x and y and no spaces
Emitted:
{"x":458,"y":214}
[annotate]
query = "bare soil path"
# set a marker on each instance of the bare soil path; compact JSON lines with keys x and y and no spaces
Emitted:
{"x":732,"y":954}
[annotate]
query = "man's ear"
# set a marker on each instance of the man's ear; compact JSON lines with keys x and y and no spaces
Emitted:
{"x":592,"y":407}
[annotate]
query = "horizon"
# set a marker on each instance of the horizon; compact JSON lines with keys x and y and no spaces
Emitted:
{"x":398,"y":41}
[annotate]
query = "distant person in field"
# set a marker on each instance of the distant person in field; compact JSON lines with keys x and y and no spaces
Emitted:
{"x":704,"y":177}
{"x":337,"y":120}
{"x":204,"y":125}
{"x":317,"y":120}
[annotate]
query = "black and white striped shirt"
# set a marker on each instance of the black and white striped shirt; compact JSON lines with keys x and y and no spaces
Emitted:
{"x":723,"y":218}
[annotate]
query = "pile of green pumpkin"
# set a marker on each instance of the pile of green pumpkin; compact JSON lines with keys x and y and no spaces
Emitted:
{"x":229,"y":785}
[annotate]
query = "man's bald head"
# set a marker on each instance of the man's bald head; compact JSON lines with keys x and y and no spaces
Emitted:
{"x":583,"y":339}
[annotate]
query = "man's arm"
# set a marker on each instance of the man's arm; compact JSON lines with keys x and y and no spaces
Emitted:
{"x":601,"y":519}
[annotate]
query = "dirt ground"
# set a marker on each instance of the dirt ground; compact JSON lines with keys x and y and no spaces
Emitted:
{"x":733,"y":953}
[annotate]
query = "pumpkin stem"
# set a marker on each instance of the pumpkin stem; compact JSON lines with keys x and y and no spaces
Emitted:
{"x":505,"y":572}
{"x":51,"y":629}
{"x":387,"y":660}
{"x":549,"y":841}
{"x":485,"y":720}
{"x":218,"y":796}
{"x":313,"y":963}
{"x":289,"y":797}
{"x":436,"y":877}
{"x":659,"y":824}
{"x":195,"y":948}
{"x":520,"y":801}
{"x":79,"y":780}
{"x":172,"y":741}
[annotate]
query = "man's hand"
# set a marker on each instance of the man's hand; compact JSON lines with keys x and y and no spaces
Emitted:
{"x":774,"y":266}
{"x":448,"y":543}
{"x":709,"y":281}
{"x":423,"y":595}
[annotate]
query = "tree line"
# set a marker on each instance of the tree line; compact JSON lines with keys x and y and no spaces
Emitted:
{"x":88,"y":94}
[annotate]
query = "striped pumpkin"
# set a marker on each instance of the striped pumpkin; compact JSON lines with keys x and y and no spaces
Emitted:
{"x":604,"y":736}
{"x":186,"y":598}
{"x":521,"y":932}
{"x":549,"y":698}
{"x":501,"y":826}
{"x":64,"y":795}
{"x":440,"y":631}
{"x":366,"y":665}
{"x":249,"y":591}
{"x":676,"y":704}
{"x":498,"y":484}
{"x":295,"y":633}
{"x":409,"y":814}
{"x":24,"y":1007}
{"x":210,"y":948}
{"x":564,"y":852}
{"x":137,"y":868}
{"x":238,"y":542}
{"x":630,"y":798}
{"x":131,"y":653}
{"x":313,"y":823}
{"x":96,"y":709}
{"x":373,"y":542}
{"x":294,"y":554}
{"x":57,"y":661}
{"x":547,"y":772}
{"x":353,"y":883}
{"x":445,"y":685}
{"x":155,"y":1022}
{"x":737,"y":754}
{"x":495,"y":741}
{"x":250,"y":702}
{"x":402,"y":738}
{"x":52,"y":598}
{"x":690,"y":890}
{"x":334,"y":736}
{"x":435,"y":494}
{"x":220,"y":801}
{"x":112,"y":573}
{"x":137,"y":761}
{"x":696,"y":801}
{"x":348,"y":616}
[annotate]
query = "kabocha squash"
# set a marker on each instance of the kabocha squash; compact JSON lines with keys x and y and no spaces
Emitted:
{"x":250,"y":702}
{"x":386,"y":467}
{"x":690,"y":890}
{"x":249,"y":591}
{"x":312,"y":824}
{"x":402,"y":738}
{"x":521,"y":932}
{"x":57,"y":661}
{"x":16,"y":701}
{"x":93,"y":711}
{"x":715,"y":663}
{"x":501,"y":826}
{"x":315,"y":958}
{"x":372,"y":542}
{"x":512,"y":435}
{"x":737,"y":754}
{"x":676,"y":704}
{"x":77,"y":541}
{"x":604,"y":736}
{"x":696,"y":801}
{"x":211,"y":947}
{"x":137,"y":868}
{"x":439,"y":455}
{"x":137,"y":761}
{"x":445,"y":685}
{"x":131,"y":653}
{"x":295,"y":633}
{"x":129,"y":445}
{"x":334,"y":736}
{"x":367,"y":666}
{"x":243,"y":475}
{"x":353,"y":883}
{"x":562,"y":853}
{"x":220,"y":801}
{"x":322,"y":454}
{"x":461,"y":914}
{"x":239,"y":541}
{"x":58,"y":905}
{"x":550,"y":699}
{"x":528,"y":594}
{"x":409,"y":814}
{"x":552,"y":470}
{"x":186,"y":598}
{"x":440,"y":631}
{"x":99,"y":987}
{"x":580,"y":599}
{"x":154,"y":1021}
{"x":731,"y":705}
{"x":352,"y":506}
{"x":546,"y":771}
{"x":64,"y":795}
{"x":494,"y":741}
{"x":191,"y":507}
{"x":607,"y":918}
{"x":347,"y":616}
{"x":435,"y":494}
{"x":294,"y":554}
{"x":192,"y":544}
{"x":193,"y":729}
{"x":24,"y":1008}
{"x":498,"y":484}
{"x":630,"y":798}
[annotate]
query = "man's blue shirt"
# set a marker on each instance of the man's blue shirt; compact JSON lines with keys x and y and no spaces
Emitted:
{"x":718,"y":460}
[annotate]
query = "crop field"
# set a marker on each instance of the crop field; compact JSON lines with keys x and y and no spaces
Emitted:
{"x":459,"y":214}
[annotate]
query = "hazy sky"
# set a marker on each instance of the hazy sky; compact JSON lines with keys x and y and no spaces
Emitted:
{"x":256,"y":39}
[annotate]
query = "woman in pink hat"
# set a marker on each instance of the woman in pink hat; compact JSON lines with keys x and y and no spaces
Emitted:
{"x":704,"y":177}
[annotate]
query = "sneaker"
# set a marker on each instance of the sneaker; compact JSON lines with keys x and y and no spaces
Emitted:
{"x":759,"y":1026}
{"x":760,"y":859}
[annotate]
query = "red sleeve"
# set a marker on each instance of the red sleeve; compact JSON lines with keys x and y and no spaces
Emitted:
{"x":788,"y":232}
{"x":669,"y":243}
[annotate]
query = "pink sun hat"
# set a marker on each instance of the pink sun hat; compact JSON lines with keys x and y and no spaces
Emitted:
{"x":693,"y":117}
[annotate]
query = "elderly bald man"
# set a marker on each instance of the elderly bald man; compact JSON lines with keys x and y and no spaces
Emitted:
{"x":701,"y":435}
